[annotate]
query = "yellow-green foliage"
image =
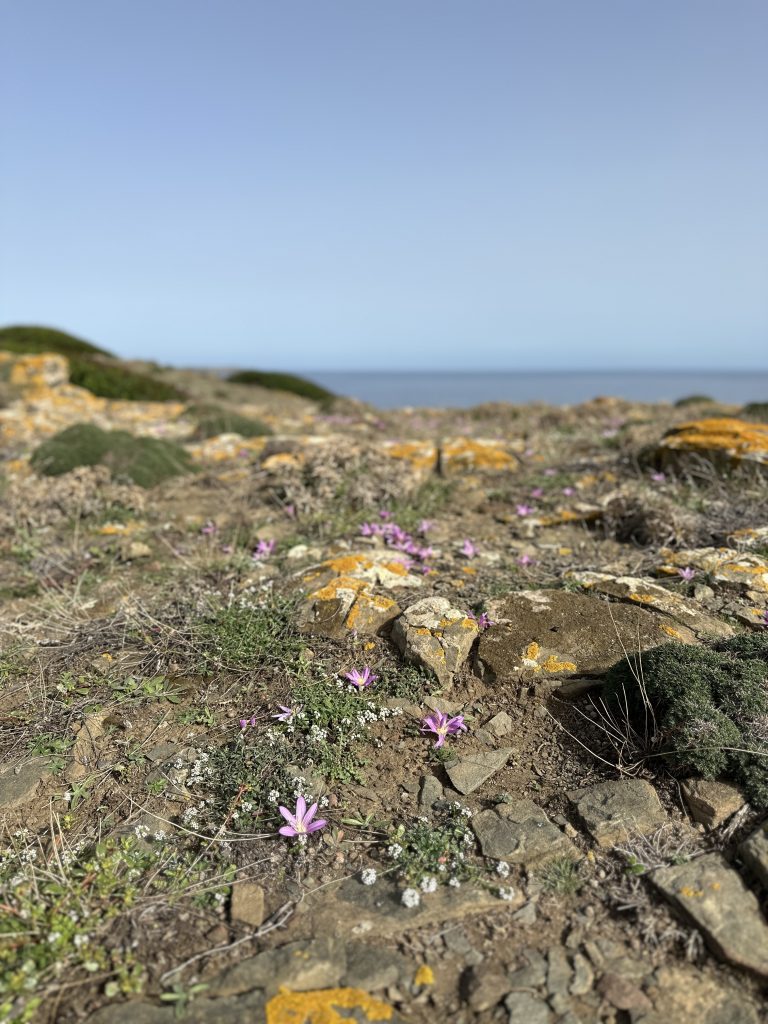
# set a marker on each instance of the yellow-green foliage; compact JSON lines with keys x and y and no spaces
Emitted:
{"x":144,"y":460}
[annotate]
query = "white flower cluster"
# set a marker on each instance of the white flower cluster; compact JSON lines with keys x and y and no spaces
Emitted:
{"x":428,"y":884}
{"x":502,"y":869}
{"x":453,"y":881}
{"x":507,"y":893}
{"x":141,"y":831}
{"x":368,"y":876}
{"x":461,"y":809}
{"x":410,"y":898}
{"x":200,"y":770}
{"x":395,"y":850}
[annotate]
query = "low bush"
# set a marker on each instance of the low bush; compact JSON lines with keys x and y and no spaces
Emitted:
{"x":756,"y":411}
{"x":144,"y":460}
{"x":692,"y":400}
{"x":213,"y":420}
{"x":707,"y":705}
{"x":282,"y":382}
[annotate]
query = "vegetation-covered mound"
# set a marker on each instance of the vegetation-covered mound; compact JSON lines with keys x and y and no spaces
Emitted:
{"x":90,"y":367}
{"x":144,"y":460}
{"x":213,"y":420}
{"x":282,"y":382}
{"x":756,"y":411}
{"x":708,"y":707}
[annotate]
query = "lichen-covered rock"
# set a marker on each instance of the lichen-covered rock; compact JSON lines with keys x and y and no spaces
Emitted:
{"x":754,"y":853}
{"x":436,"y":636}
{"x":649,"y":594}
{"x":420,"y":456}
{"x":342,"y":593}
{"x":736,"y":570}
{"x":554,"y":634}
{"x":712,"y":802}
{"x":462,"y":455}
{"x":721,"y":441}
{"x":613,"y":811}
{"x":713,"y":896}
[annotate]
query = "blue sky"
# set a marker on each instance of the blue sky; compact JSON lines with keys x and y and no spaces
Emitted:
{"x":347,"y":184}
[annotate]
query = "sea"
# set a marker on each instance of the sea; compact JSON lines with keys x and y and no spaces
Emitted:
{"x":392,"y":390}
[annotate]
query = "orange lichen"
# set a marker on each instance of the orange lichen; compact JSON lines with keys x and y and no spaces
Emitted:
{"x":345,"y":564}
{"x":642,"y":598}
{"x":690,"y":893}
{"x":731,"y":437}
{"x":465,"y":453}
{"x":422,"y":455}
{"x":671,"y":631}
{"x":532,"y":652}
{"x":330,"y":591}
{"x":322,"y":1006}
{"x":281,"y":460}
{"x":553,"y":664}
{"x":424,"y":976}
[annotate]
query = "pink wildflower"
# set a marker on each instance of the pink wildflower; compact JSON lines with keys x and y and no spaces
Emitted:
{"x":659,"y":478}
{"x":263,"y":550}
{"x":550,"y":472}
{"x":568,"y":491}
{"x":441,"y":725}
{"x":361,"y":680}
{"x":245,"y":722}
{"x":468,"y":549}
{"x":483,"y":620}
{"x":525,"y":560}
{"x":286,"y":714}
{"x":208,"y":528}
{"x":687,"y":573}
{"x":524,"y":510}
{"x":537,"y":492}
{"x":425,"y":526}
{"x":300,"y":823}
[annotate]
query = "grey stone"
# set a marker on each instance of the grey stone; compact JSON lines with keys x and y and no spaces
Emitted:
{"x":714,"y":897}
{"x":372,"y":968}
{"x":163,"y":751}
{"x":622,"y":993}
{"x":429,"y":792}
{"x":500,"y":725}
{"x":521,"y":833}
{"x":583,"y":976}
{"x":302,"y":965}
{"x":559,"y":971}
{"x":19,"y":784}
{"x":681,"y":994}
{"x":484,"y":986}
{"x":470,"y":772}
{"x":754,"y":853}
{"x":712,"y":802}
{"x":533,"y":974}
{"x":612,"y":811}
{"x":248,"y":904}
{"x":524,"y":1008}
{"x":436,"y":636}
{"x":526,"y":914}
{"x":238,"y":1010}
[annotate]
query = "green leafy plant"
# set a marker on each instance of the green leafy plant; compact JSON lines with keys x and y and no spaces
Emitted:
{"x":561,"y":876}
{"x":213,"y":420}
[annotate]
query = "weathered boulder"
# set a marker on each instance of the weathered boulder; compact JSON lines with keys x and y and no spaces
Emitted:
{"x":724,"y":441}
{"x":521,"y":833}
{"x":612,"y":811}
{"x":754,"y":853}
{"x":714,"y":897}
{"x":462,"y":455}
{"x":711,"y":802}
{"x":469,"y":773}
{"x":735,"y":570}
{"x":435,"y":635}
{"x":19,"y":785}
{"x":554,"y":634}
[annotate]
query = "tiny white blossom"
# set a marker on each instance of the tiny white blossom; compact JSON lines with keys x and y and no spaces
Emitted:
{"x":428,"y":883}
{"x":368,"y":876}
{"x":506,"y":893}
{"x":410,"y":898}
{"x":502,"y":869}
{"x":454,"y":882}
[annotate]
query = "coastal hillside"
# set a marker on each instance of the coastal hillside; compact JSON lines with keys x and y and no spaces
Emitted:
{"x":315,"y":712}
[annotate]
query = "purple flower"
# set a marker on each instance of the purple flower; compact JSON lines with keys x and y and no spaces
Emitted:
{"x":425,"y":526}
{"x":290,"y":511}
{"x":687,"y":573}
{"x":227,"y":549}
{"x":263,"y":550}
{"x":568,"y":491}
{"x":525,"y":560}
{"x":550,"y":472}
{"x":537,"y":492}
{"x":366,"y":530}
{"x":441,"y":725}
{"x":245,"y":722}
{"x":384,"y":513}
{"x":659,"y":478}
{"x":764,"y":620}
{"x":468,"y":549}
{"x":483,"y":620}
{"x":208,"y":528}
{"x":286,"y":714}
{"x":524,"y":510}
{"x":300,"y":823}
{"x":361,"y":680}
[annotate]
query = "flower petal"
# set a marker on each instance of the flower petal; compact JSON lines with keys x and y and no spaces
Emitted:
{"x":287,"y":814}
{"x":287,"y":830}
{"x":301,"y":808}
{"x":320,"y":823}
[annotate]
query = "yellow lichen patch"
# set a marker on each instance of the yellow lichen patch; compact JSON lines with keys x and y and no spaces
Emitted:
{"x":734,"y":438}
{"x":532,"y":652}
{"x":424,"y":976}
{"x":283,"y":460}
{"x":346,"y":564}
{"x":398,"y":568}
{"x":322,"y":1006}
{"x":671,"y":631}
{"x":691,"y":893}
{"x":642,"y":598}
{"x":469,"y":570}
{"x":564,"y":551}
{"x":120,"y":529}
{"x":370,"y":646}
{"x":463,"y":454}
{"x":364,"y":604}
{"x":553,"y":664}
{"x":331,"y":590}
{"x":422,"y":455}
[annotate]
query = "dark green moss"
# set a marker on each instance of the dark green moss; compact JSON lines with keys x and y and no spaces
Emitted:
{"x":90,"y":367}
{"x":282,"y":382}
{"x":756,"y":411}
{"x":710,"y":707}
{"x":692,"y":400}
{"x":213,"y":420}
{"x":144,"y":460}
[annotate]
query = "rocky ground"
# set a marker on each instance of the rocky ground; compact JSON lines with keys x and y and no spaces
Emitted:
{"x":175,"y":666}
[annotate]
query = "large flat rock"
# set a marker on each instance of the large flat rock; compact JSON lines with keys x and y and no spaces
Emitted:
{"x":521,"y":833}
{"x":613,"y":811}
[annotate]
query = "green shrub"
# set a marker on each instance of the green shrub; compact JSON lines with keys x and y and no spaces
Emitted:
{"x":710,"y":707}
{"x":144,"y":460}
{"x":756,"y":411}
{"x":90,"y":367}
{"x":282,"y":382}
{"x":692,"y":400}
{"x":213,"y":420}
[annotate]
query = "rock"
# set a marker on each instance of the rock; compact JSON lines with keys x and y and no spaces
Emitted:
{"x":725,"y":442}
{"x":301,"y":965}
{"x":436,"y":636}
{"x":754,"y":853}
{"x":612,"y":811}
{"x":327,"y":1006}
{"x":684,"y":994}
{"x":559,"y":971}
{"x":249,"y":1007}
{"x":483,"y":986}
{"x":554,"y":634}
{"x":500,"y":725}
{"x":622,"y":993}
{"x":430,"y":791}
{"x":470,"y":772}
{"x":521,"y":833}
{"x":19,"y":785}
{"x":734,"y":570}
{"x":462,"y":455}
{"x":583,"y":976}
{"x":713,"y":896}
{"x":649,"y":594}
{"x":712,"y":802}
{"x":525,"y":1008}
{"x":86,"y":746}
{"x":526,"y":914}
{"x":247,"y":905}
{"x":421,"y":457}
{"x":372,"y":968}
{"x":136,"y":549}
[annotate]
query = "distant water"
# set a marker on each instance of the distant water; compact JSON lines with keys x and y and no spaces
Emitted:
{"x":460,"y":390}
